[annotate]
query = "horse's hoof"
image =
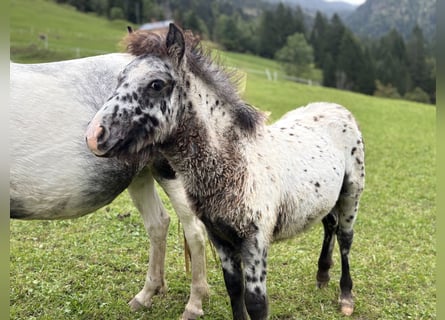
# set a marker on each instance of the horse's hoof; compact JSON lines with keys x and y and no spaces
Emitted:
{"x":347,"y":310}
{"x":347,"y":307}
{"x":322,"y":284}
{"x":190,"y":314}
{"x":135,"y":305}
{"x":322,"y":280}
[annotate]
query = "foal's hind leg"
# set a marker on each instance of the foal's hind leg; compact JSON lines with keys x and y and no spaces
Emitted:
{"x":348,"y":206}
{"x":344,"y":238}
{"x":330,"y":225}
{"x":156,"y":221}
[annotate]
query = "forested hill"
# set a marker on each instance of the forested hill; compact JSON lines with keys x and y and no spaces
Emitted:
{"x":375,"y":17}
{"x":319,"y":47}
{"x":343,"y":9}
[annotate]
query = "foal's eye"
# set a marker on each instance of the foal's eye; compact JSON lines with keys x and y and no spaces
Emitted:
{"x":156,"y":85}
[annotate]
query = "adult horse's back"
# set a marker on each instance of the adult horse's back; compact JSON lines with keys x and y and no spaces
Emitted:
{"x":53,"y":175}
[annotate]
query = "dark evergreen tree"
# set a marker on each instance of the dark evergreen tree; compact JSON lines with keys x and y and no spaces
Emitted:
{"x":226,"y":32}
{"x":203,"y":10}
{"x":275,"y":26}
{"x":349,"y":62}
{"x":133,"y":11}
{"x":391,"y":62}
{"x":332,"y":43}
{"x":417,"y":60}
{"x":318,"y":38}
{"x":193,"y":22}
{"x":354,"y":68}
{"x":366,"y":81}
{"x":329,"y":77}
{"x":299,"y":22}
{"x":151,"y":11}
{"x":334,"y":36}
{"x":116,"y":4}
{"x":267,"y":32}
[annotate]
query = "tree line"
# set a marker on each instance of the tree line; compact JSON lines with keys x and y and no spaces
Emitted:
{"x":391,"y":66}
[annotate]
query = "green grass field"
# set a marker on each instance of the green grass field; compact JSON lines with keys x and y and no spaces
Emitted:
{"x":89,"y":268}
{"x":69,"y":33}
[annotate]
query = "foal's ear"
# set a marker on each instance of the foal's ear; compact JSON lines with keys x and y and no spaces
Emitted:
{"x":175,"y":43}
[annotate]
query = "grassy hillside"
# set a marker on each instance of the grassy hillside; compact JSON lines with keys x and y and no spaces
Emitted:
{"x":69,"y":34}
{"x":89,"y":268}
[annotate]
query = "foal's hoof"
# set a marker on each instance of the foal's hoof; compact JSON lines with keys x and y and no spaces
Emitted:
{"x":347,"y":306}
{"x":322,"y":280}
{"x":322,"y":284}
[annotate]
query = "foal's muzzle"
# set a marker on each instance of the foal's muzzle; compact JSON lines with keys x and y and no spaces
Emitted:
{"x":94,"y":136}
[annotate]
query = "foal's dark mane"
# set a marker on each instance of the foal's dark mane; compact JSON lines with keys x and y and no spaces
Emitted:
{"x":200,"y":62}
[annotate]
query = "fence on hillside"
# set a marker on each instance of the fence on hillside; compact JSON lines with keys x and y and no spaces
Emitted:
{"x":273,"y":75}
{"x":49,"y":40}
{"x":78,"y":52}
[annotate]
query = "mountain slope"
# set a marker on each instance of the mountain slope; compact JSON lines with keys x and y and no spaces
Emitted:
{"x":376,"y":17}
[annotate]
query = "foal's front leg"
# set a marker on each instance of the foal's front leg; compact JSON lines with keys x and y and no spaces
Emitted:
{"x":233,"y":275}
{"x":254,"y":258}
{"x":156,"y":221}
{"x":245,"y":271}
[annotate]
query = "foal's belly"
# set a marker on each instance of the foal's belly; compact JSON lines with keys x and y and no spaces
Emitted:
{"x":304,"y":208}
{"x":296,"y":224}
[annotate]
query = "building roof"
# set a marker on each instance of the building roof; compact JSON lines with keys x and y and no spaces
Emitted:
{"x":156,"y":25}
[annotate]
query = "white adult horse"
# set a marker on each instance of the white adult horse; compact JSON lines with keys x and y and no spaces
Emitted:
{"x":53,"y":175}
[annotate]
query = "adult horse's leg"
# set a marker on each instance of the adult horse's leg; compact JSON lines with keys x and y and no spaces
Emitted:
{"x":156,"y":221}
{"x":330,"y":225}
{"x":195,"y":235}
{"x":196,"y":238}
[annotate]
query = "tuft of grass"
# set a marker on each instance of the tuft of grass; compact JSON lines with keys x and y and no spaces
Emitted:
{"x":89,"y":268}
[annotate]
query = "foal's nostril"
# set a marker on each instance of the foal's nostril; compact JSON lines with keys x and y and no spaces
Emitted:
{"x":100,"y":133}
{"x":95,"y":137}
